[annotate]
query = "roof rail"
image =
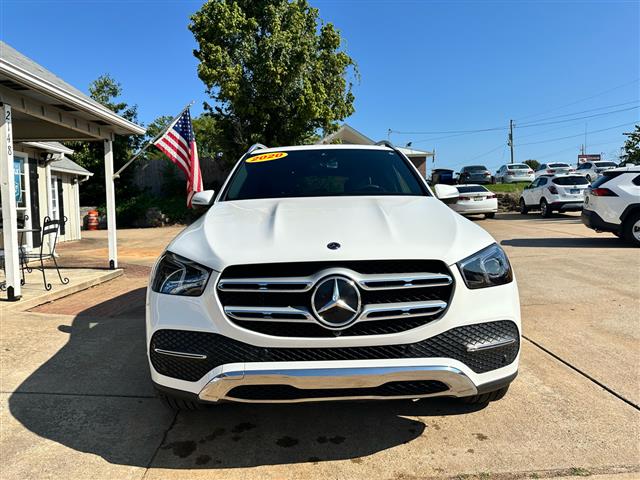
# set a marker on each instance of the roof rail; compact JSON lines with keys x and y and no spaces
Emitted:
{"x":256,"y":146}
{"x":386,"y":143}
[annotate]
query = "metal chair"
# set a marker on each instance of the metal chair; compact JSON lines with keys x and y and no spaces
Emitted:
{"x":49,"y":235}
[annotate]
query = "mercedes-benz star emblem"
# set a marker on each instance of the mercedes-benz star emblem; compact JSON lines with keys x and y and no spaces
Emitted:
{"x":336,"y":302}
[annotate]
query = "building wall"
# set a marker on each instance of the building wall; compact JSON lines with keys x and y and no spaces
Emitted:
{"x":421,"y":164}
{"x":70,"y":196}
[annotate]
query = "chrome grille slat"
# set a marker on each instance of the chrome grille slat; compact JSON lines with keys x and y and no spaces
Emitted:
{"x":303,"y":284}
{"x":271,"y":314}
{"x":408,"y":310}
{"x":378,"y":281}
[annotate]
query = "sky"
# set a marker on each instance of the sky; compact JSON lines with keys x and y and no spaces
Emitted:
{"x":558,"y":69}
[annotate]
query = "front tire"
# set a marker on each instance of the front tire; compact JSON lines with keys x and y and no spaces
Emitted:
{"x":485,"y":398}
{"x":631,"y":229}
{"x":523,"y":207}
{"x":545,"y":210}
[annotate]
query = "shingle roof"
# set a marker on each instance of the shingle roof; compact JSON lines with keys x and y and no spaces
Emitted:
{"x":22,"y":66}
{"x":67,"y":165}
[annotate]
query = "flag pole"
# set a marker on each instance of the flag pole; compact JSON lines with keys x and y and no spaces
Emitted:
{"x":150,"y":142}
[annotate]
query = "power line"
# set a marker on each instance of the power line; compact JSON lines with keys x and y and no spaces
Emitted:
{"x":582,"y":99}
{"x":527,"y":125}
{"x":577,"y":135}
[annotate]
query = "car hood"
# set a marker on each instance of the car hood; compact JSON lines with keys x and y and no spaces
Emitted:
{"x":299,"y":229}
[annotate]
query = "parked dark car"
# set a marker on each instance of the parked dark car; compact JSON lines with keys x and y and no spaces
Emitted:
{"x":475,"y":174}
{"x":443,"y":175}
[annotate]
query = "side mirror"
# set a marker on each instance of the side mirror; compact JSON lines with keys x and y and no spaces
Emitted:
{"x":446,"y":193}
{"x":204,"y":198}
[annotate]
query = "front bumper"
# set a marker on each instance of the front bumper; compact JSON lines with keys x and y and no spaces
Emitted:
{"x":423,"y":353}
{"x":328,"y":383}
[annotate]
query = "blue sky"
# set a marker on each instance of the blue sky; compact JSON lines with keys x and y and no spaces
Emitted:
{"x":425,"y":67}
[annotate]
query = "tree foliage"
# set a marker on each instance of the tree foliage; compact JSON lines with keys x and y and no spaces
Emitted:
{"x":275,"y":72}
{"x":534,"y":164}
{"x":631,"y":148}
{"x":90,"y":155}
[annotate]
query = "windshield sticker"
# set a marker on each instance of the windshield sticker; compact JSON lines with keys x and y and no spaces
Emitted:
{"x":266,"y":157}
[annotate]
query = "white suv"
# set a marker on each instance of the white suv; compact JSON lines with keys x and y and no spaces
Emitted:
{"x":330,"y":272}
{"x":592,"y":170}
{"x":554,"y":193}
{"x":612,"y":203}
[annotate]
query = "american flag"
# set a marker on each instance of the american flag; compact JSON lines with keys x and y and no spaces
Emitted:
{"x":179,"y":144}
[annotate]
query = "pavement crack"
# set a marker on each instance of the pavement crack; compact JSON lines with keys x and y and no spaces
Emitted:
{"x":583,"y":373}
{"x":162,"y":441}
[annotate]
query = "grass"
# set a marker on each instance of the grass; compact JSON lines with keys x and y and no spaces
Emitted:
{"x":507,"y":187}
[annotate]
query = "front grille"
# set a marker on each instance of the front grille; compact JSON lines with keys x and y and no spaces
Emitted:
{"x":275,"y":299}
{"x":467,"y":344}
{"x":287,"y":392}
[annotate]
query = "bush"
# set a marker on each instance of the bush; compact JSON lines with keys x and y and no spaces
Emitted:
{"x":133,"y":212}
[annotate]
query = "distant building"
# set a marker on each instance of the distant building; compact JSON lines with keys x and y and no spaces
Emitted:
{"x":348,"y":135}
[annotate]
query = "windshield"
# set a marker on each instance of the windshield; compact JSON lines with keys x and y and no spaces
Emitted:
{"x":605,"y":164}
{"x":322,"y":173}
{"x":518,"y":166}
{"x":575,"y":180}
{"x":472,"y":189}
{"x":558,"y":165}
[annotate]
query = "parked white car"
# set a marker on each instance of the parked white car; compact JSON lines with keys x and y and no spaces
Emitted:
{"x":515,"y":172}
{"x":612,"y":204}
{"x":592,"y":170}
{"x":556,"y":168}
{"x":475,"y":199}
{"x":328,"y":272}
{"x":554,"y":193}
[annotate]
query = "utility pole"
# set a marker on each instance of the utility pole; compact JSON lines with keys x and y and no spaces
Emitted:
{"x":510,"y":142}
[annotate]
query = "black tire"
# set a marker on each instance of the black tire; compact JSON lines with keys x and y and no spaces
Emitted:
{"x":523,"y":207}
{"x":545,"y":210}
{"x":178,"y":404}
{"x":631,"y":222}
{"x":490,"y":215}
{"x":486,"y":397}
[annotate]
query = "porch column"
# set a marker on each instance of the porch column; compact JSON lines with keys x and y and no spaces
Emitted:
{"x":111,"y":203}
{"x":9,"y":212}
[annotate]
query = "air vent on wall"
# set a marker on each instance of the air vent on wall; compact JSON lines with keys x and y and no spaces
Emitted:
{"x":64,"y":107}
{"x":12,"y":85}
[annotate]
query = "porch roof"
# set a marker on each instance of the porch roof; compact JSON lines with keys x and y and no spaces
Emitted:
{"x":37,"y":95}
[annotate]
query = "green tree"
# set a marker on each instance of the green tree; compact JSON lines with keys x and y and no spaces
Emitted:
{"x":534,"y":164}
{"x":90,"y":155}
{"x":276,"y":73}
{"x":631,"y":148}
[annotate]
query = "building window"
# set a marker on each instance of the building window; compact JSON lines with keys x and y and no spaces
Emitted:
{"x":55,"y":208}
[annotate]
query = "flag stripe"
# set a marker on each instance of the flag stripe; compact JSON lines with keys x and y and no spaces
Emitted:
{"x":179,"y":144}
{"x":176,"y":153}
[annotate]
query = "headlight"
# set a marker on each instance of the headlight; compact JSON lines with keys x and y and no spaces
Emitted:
{"x":487,"y":268}
{"x":176,"y":275}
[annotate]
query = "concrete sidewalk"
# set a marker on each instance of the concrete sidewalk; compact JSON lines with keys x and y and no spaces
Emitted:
{"x":77,"y":402}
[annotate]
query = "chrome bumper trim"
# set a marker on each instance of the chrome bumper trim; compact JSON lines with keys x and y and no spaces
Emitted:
{"x":193,"y":356}
{"x":335,"y":378}
{"x":488,"y":346}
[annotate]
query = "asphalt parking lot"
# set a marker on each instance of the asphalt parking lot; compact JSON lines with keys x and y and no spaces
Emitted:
{"x":76,"y":401}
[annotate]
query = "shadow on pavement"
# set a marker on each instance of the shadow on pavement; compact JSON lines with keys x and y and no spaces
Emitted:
{"x":567,"y":242}
{"x":95,"y":395}
{"x":535,"y":216}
